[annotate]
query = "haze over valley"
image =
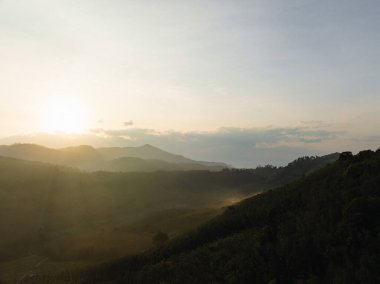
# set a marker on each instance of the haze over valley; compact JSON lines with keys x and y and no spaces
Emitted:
{"x":189,"y":141}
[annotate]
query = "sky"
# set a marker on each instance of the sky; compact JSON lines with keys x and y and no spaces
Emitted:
{"x":244,"y":82}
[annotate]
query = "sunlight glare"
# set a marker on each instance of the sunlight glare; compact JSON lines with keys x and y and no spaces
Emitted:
{"x":63,"y":115}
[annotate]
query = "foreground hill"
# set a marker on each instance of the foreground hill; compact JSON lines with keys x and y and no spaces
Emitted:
{"x":128,"y":159}
{"x":62,"y":214}
{"x":323,"y":228}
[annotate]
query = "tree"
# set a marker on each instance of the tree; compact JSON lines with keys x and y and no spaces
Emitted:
{"x":160,"y":238}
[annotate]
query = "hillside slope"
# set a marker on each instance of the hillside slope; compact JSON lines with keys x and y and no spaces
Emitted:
{"x":64,"y":213}
{"x":323,"y":228}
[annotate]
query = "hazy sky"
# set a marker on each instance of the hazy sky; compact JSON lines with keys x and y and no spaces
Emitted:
{"x":227,"y":74}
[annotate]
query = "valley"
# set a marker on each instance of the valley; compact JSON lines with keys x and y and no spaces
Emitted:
{"x":69,"y":216}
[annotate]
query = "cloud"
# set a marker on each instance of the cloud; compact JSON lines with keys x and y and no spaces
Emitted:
{"x":249,"y":136}
{"x":128,"y":123}
{"x":239,"y":146}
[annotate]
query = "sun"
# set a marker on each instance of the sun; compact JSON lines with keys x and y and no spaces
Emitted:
{"x":63,"y":114}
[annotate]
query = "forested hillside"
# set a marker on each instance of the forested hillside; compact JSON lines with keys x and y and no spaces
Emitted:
{"x":62,"y":214}
{"x":324,"y":228}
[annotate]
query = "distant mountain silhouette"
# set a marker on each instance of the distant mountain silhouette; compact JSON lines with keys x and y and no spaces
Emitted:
{"x":144,"y":152}
{"x":144,"y":158}
{"x":72,"y":156}
{"x":129,"y":164}
{"x":149,"y":152}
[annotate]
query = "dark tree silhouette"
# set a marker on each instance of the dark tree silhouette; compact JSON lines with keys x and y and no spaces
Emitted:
{"x":160,"y":239}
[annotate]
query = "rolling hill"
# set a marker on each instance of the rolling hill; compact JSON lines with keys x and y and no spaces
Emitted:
{"x":69,"y":216}
{"x":323,"y":228}
{"x":40,"y":201}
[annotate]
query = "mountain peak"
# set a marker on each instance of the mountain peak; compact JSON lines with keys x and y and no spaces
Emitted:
{"x":148,"y":146}
{"x":79,"y":148}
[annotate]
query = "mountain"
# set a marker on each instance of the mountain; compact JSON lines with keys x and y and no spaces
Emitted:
{"x":134,"y":164}
{"x":80,"y":156}
{"x":147,"y":152}
{"x":323,"y":228}
{"x":144,"y":158}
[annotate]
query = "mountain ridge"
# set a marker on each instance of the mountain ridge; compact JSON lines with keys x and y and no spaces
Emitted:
{"x":86,"y":157}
